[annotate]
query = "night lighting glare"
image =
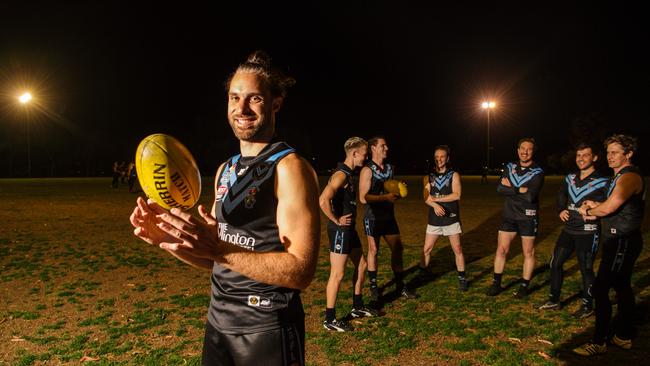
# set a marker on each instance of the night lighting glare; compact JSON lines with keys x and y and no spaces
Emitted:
{"x":25,"y":98}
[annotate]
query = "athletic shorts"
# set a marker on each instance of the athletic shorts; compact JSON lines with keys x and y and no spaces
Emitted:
{"x":526,"y":227}
{"x":585,"y":243}
{"x":281,"y":346}
{"x":377,"y":228}
{"x":343,"y":239}
{"x":448,"y":230}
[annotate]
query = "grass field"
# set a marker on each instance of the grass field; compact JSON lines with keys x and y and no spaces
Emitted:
{"x":77,"y":286}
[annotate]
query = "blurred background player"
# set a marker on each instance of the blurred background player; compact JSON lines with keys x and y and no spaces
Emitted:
{"x":622,"y":215}
{"x":379,"y":217}
{"x":261,"y":239}
{"x":442,"y":191}
{"x":116,"y":175}
{"x":339,"y":203}
{"x":578,"y":234}
{"x":520,"y":185}
{"x":131,"y":173}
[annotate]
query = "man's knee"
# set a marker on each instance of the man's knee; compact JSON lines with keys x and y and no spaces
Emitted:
{"x":502,"y":250}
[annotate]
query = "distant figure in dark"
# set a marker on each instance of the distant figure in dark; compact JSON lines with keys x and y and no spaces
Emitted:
{"x":116,"y":175}
{"x":131,"y":174}
{"x":484,"y":175}
{"x":123,"y":169}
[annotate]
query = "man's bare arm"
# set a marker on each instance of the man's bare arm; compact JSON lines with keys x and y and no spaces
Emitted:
{"x":627,"y":185}
{"x":455,"y":191}
{"x":299,"y":229}
{"x":325,"y":200}
{"x":365,"y":180}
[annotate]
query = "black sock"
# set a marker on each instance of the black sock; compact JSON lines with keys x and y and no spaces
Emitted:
{"x":330,"y":314}
{"x":357,"y":301}
{"x":461,"y":275}
{"x":399,"y":281}
{"x":525,"y":283}
{"x":372,"y":276}
{"x":497,"y":278}
{"x":399,"y":277}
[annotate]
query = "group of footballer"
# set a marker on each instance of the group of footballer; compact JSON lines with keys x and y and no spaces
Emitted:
{"x":268,"y":195}
{"x":597,"y":211}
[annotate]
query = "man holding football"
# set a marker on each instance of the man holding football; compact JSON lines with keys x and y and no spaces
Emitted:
{"x":267,"y":195}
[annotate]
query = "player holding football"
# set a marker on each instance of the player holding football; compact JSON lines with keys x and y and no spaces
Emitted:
{"x":379,"y":217}
{"x":261,"y":238}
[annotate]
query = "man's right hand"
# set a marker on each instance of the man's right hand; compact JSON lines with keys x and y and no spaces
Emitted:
{"x":438,"y":209}
{"x":392,"y":197}
{"x":344,"y":220}
{"x":564,"y":215}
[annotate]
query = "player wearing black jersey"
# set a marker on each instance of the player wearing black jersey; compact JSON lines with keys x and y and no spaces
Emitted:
{"x":441,"y":193}
{"x":578,"y":234}
{"x":622,"y":214}
{"x":379,"y":216}
{"x":339,"y":203}
{"x":261,"y":239}
{"x":520,"y":185}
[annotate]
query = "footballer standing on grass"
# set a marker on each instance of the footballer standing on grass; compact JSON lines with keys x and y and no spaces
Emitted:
{"x":261,"y":238}
{"x":339,"y":203}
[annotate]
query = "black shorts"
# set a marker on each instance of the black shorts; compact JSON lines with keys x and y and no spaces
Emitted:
{"x":526,"y":227}
{"x":382,"y":227}
{"x":281,"y":346}
{"x":343,"y":239}
{"x":585,"y":243}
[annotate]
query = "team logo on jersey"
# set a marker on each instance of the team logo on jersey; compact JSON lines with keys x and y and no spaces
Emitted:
{"x":221,"y":191}
{"x":590,"y":227}
{"x":250,"y":200}
{"x":531,"y":212}
{"x":260,"y":170}
{"x":259,"y":302}
{"x":244,"y":241}
{"x":253,"y":300}
{"x":242,"y":171}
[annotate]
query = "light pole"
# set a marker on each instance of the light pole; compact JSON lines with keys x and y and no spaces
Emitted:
{"x":24,"y":99}
{"x":488,"y":106}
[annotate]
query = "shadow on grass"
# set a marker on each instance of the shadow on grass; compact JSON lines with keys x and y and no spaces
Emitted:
{"x":477,"y":244}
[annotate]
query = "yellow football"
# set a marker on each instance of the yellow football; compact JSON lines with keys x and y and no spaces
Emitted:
{"x":397,"y":187}
{"x":167,"y":172}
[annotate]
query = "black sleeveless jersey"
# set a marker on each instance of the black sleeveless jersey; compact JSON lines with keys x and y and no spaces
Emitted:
{"x":345,"y":200}
{"x":246,"y":211}
{"x":574,"y":192}
{"x":521,"y":206}
{"x":440,"y":185}
{"x":627,"y":219}
{"x":382,"y":210}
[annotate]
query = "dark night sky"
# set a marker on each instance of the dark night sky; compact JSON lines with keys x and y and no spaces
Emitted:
{"x":109,"y":73}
